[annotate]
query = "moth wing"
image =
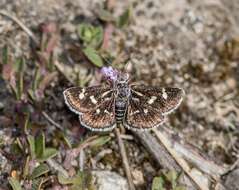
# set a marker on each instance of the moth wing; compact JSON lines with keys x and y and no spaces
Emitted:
{"x":165,"y":100}
{"x":81,"y":100}
{"x":101,"y":118}
{"x":141,"y":116}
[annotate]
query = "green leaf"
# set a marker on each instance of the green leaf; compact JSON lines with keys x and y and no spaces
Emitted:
{"x":77,"y":187}
{"x":77,"y":180}
{"x":100,"y":141}
{"x":39,"y":170}
{"x":158,"y":183}
{"x":124,"y":19}
{"x":67,"y":141}
{"x":172,"y":177}
{"x":80,"y":180}
{"x":90,"y":35}
{"x":180,"y":188}
{"x":20,"y":66}
{"x":40,"y":145}
{"x":48,"y":153}
{"x":5,"y":55}
{"x":14,"y":183}
{"x":26,"y":123}
{"x":36,"y":80}
{"x":31,"y":142}
{"x":97,"y":39}
{"x":93,"y":56}
{"x":37,"y":183}
{"x":85,"y":32}
{"x":106,"y":15}
{"x":26,"y":167}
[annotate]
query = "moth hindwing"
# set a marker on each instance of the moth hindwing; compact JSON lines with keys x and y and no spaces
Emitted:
{"x":95,"y":106}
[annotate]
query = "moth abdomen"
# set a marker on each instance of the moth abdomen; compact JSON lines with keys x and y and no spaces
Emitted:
{"x":120,"y":109}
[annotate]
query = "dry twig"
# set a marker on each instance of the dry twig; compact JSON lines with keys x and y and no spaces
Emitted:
{"x":160,"y":154}
{"x":182,"y":150}
{"x":71,"y":154}
{"x":124,"y":158}
{"x":22,"y":25}
{"x":193,"y":154}
{"x":50,"y":120}
{"x":180,"y":161}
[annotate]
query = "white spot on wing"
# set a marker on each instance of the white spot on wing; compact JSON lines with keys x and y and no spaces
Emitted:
{"x":82,"y":95}
{"x":152,"y":99}
{"x":146,"y":111}
{"x":135,"y":99}
{"x":97,"y":111}
{"x":133,"y":113}
{"x":106,"y":99}
{"x":93,"y":100}
{"x":107,"y":112}
{"x":165,"y":96}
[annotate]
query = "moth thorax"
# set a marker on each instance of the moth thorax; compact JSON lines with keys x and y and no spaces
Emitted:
{"x":123,"y":91}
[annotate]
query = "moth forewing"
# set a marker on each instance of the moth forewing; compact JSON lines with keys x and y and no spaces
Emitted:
{"x":165,"y":100}
{"x":81,"y":100}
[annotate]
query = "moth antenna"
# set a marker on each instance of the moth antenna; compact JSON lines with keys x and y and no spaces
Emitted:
{"x":106,"y":60}
{"x":128,"y":61}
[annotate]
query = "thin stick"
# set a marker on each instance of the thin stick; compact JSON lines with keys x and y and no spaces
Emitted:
{"x":50,"y":120}
{"x":192,"y":154}
{"x":181,"y":162}
{"x":23,"y":26}
{"x":124,"y":158}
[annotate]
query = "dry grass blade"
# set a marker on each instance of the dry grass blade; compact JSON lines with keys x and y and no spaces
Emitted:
{"x":56,"y":166}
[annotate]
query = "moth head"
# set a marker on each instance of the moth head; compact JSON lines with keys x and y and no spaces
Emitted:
{"x":123,"y":91}
{"x":122,"y":78}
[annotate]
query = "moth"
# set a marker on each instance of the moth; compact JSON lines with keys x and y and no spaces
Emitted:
{"x":137,"y":107}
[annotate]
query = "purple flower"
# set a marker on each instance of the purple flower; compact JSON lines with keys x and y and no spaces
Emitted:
{"x":109,"y":73}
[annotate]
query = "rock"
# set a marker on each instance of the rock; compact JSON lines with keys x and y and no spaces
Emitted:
{"x":107,"y":180}
{"x":5,"y":168}
{"x":231,"y":181}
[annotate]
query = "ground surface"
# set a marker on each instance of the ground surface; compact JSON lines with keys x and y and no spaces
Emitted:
{"x":189,"y":44}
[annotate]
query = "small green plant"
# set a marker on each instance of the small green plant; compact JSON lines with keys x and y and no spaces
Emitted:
{"x":90,"y":35}
{"x":168,"y":180}
{"x":15,"y":184}
{"x":34,"y":167}
{"x":94,"y":37}
{"x":13,"y":72}
{"x":121,"y":21}
{"x":39,"y":153}
{"x":38,"y":149}
{"x":81,"y":181}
